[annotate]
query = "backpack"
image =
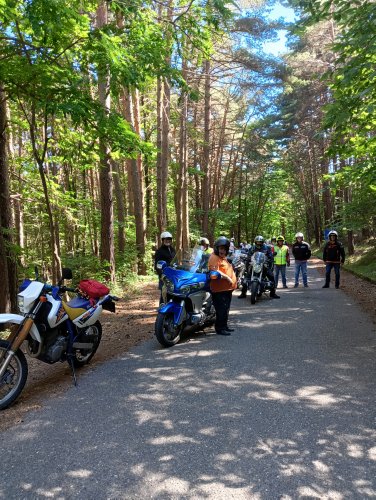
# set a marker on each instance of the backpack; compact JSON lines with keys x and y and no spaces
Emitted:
{"x":92,"y":289}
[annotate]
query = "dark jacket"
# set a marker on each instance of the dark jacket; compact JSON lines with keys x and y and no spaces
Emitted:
{"x":334,"y":252}
{"x":301,"y":251}
{"x":166,"y":253}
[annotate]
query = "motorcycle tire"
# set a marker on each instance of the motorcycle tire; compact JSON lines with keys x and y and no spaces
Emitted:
{"x":254,"y":292}
{"x":166,"y":332}
{"x":14,"y":379}
{"x":82,"y":356}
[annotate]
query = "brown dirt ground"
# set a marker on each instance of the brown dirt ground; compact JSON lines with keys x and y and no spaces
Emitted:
{"x":132,"y":324}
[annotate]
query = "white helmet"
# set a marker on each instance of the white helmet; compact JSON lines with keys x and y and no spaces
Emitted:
{"x":299,"y":235}
{"x":334,"y":233}
{"x":204,"y":241}
{"x":166,"y":234}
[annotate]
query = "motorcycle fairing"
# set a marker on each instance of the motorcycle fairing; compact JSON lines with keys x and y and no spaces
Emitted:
{"x":182,"y":278}
{"x":88,"y":317}
{"x":17,"y":319}
{"x":177,"y":309}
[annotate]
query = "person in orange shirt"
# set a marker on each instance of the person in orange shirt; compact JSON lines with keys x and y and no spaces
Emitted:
{"x":222,"y":289}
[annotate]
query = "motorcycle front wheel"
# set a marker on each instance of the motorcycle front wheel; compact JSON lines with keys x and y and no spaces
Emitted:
{"x":14,"y":378}
{"x":166,"y":332}
{"x":254,"y":291}
{"x":90,"y":335}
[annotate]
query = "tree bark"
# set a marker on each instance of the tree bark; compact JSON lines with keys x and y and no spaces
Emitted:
{"x":105,"y":176}
{"x":6,"y":278}
{"x":206,"y":150}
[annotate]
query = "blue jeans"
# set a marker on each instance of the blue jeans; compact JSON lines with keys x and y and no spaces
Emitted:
{"x":277,"y":269}
{"x":301,"y":265}
{"x":328,"y":270}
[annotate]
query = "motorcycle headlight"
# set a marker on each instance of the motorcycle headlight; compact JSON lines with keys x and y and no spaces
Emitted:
{"x":169,"y":285}
{"x":185,"y":289}
{"x":257,"y":268}
{"x":21,"y":303}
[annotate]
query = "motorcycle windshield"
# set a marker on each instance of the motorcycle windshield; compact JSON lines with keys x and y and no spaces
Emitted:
{"x":258,"y":258}
{"x":193,"y":260}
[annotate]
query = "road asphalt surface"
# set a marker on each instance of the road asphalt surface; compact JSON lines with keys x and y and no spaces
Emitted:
{"x":284,"y":408}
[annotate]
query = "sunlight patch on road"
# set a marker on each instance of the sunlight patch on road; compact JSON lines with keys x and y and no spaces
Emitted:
{"x":80,"y":473}
{"x":317,"y":395}
{"x":176,"y":439}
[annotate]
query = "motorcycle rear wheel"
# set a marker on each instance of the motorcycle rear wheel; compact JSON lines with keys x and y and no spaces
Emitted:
{"x":254,"y":291}
{"x":166,"y":332}
{"x":14,"y":379}
{"x":83,"y":356}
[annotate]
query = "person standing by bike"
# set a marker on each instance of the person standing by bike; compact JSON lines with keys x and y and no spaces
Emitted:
{"x":301,"y":252}
{"x":333,"y":256}
{"x":205,"y":246}
{"x":281,"y":259}
{"x":260,"y":246}
{"x":222,"y":289}
{"x":165,"y":252}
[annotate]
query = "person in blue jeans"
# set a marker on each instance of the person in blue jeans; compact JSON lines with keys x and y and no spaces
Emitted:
{"x":281,"y":259}
{"x":301,"y":252}
{"x":333,"y":256}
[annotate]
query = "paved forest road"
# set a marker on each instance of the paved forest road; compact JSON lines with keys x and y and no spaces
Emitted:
{"x":282,"y":409}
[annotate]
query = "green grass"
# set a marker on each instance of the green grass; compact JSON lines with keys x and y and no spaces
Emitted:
{"x":363,"y":262}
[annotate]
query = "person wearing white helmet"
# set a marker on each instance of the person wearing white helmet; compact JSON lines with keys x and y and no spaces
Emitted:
{"x":301,"y":252}
{"x":165,"y":252}
{"x":205,"y":246}
{"x":333,"y":256}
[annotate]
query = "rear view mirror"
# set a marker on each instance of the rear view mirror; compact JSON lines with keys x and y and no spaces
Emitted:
{"x":66,"y":274}
{"x":161,"y":264}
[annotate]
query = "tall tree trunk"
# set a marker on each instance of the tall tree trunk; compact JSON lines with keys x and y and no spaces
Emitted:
{"x":133,"y":117}
{"x":206,"y":149}
{"x":182,"y":209}
{"x":163,"y":135}
{"x":7,"y":260}
{"x":120,"y":206}
{"x":105,"y":176}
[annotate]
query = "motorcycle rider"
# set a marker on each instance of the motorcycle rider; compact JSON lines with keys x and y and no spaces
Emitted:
{"x":222,"y":289}
{"x":232,"y":246}
{"x":260,"y":246}
{"x":281,"y":259}
{"x":165,"y":252}
{"x":333,"y":256}
{"x":205,"y":246}
{"x":301,"y":252}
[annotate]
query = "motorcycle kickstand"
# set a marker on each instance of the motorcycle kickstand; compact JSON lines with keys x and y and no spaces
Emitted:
{"x":71,"y":364}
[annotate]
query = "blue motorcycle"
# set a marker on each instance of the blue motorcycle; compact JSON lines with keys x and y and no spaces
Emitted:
{"x":187,"y":300}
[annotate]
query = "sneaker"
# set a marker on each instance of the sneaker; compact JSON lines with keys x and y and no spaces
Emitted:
{"x":326,"y":286}
{"x":306,"y":286}
{"x":285,"y":286}
{"x":228,"y":329}
{"x":337,"y":287}
{"x":296,"y":285}
{"x":241,"y":296}
{"x":275,"y":296}
{"x":222,"y":332}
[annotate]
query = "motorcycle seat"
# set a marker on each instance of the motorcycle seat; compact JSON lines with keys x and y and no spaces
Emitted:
{"x":76,"y":307}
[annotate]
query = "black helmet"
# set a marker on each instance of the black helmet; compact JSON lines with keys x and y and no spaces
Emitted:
{"x":222,"y":241}
{"x":259,"y":241}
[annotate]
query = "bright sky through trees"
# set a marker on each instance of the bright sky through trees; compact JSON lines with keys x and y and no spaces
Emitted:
{"x":278,"y":47}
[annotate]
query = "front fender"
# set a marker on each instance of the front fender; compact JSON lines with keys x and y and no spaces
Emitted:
{"x":177,"y":309}
{"x":17,"y":319}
